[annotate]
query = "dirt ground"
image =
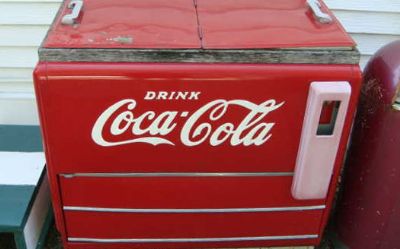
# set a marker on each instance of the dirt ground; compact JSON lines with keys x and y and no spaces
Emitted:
{"x":52,"y":240}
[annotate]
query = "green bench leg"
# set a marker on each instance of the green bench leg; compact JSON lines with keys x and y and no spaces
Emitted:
{"x":32,"y":232}
{"x":20,"y":240}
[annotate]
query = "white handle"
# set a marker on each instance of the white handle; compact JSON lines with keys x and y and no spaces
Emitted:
{"x":76,"y":6}
{"x":322,"y":17}
{"x":317,"y":153}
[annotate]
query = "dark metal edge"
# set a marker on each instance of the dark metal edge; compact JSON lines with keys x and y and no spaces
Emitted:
{"x":279,"y":56}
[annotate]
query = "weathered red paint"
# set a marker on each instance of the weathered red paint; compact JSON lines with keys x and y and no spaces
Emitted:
{"x":128,"y":24}
{"x":173,"y":24}
{"x":369,"y":213}
{"x":268,"y":24}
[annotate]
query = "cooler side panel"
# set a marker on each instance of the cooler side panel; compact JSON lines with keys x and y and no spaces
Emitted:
{"x":356,"y":81}
{"x":40,"y":80}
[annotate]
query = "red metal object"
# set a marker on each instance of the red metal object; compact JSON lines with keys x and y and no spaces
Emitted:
{"x":369,"y":213}
{"x":268,"y":24}
{"x":128,"y":23}
{"x":96,"y":94}
{"x":72,"y":150}
{"x":132,"y":24}
{"x":185,"y":155}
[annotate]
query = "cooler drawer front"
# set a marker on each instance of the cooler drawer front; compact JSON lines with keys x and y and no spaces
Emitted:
{"x":120,"y":117}
{"x":174,"y":191}
{"x":176,"y":210}
{"x":180,"y":229}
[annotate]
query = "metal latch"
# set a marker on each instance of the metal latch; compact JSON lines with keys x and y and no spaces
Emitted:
{"x":76,"y":6}
{"x":321,"y":17}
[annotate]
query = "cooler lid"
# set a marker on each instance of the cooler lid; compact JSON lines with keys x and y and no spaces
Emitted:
{"x":185,"y":24}
{"x":245,"y":24}
{"x":125,"y":24}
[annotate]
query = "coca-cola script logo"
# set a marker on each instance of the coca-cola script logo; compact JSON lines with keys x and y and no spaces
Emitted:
{"x":250,"y":131}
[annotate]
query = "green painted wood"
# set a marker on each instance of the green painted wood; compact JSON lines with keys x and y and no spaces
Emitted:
{"x":16,"y":201}
{"x":14,"y":206}
{"x":33,"y":198}
{"x":20,"y":138}
{"x":19,"y":240}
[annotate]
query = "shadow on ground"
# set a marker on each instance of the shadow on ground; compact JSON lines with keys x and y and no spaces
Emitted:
{"x":52,"y":240}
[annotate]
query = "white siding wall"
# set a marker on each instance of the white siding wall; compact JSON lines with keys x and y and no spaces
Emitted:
{"x":372,"y":23}
{"x":23,"y":24}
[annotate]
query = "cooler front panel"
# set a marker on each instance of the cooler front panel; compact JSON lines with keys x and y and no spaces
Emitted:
{"x":120,"y":117}
{"x":184,"y":155}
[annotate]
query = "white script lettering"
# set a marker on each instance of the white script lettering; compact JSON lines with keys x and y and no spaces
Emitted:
{"x":197,"y":129}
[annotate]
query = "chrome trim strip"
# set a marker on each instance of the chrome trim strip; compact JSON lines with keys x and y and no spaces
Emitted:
{"x":180,"y":240}
{"x":180,"y":174}
{"x":186,"y":211}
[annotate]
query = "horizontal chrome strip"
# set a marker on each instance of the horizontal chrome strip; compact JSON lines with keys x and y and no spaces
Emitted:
{"x":180,"y":240}
{"x":201,"y":210}
{"x":183,"y":174}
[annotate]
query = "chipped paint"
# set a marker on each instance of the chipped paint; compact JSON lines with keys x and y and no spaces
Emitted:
{"x":123,"y":39}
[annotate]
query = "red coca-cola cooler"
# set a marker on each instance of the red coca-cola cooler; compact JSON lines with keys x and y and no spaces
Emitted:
{"x":195,"y":124}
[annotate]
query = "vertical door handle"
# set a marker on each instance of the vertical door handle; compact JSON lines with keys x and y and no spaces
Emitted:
{"x":320,"y":141}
